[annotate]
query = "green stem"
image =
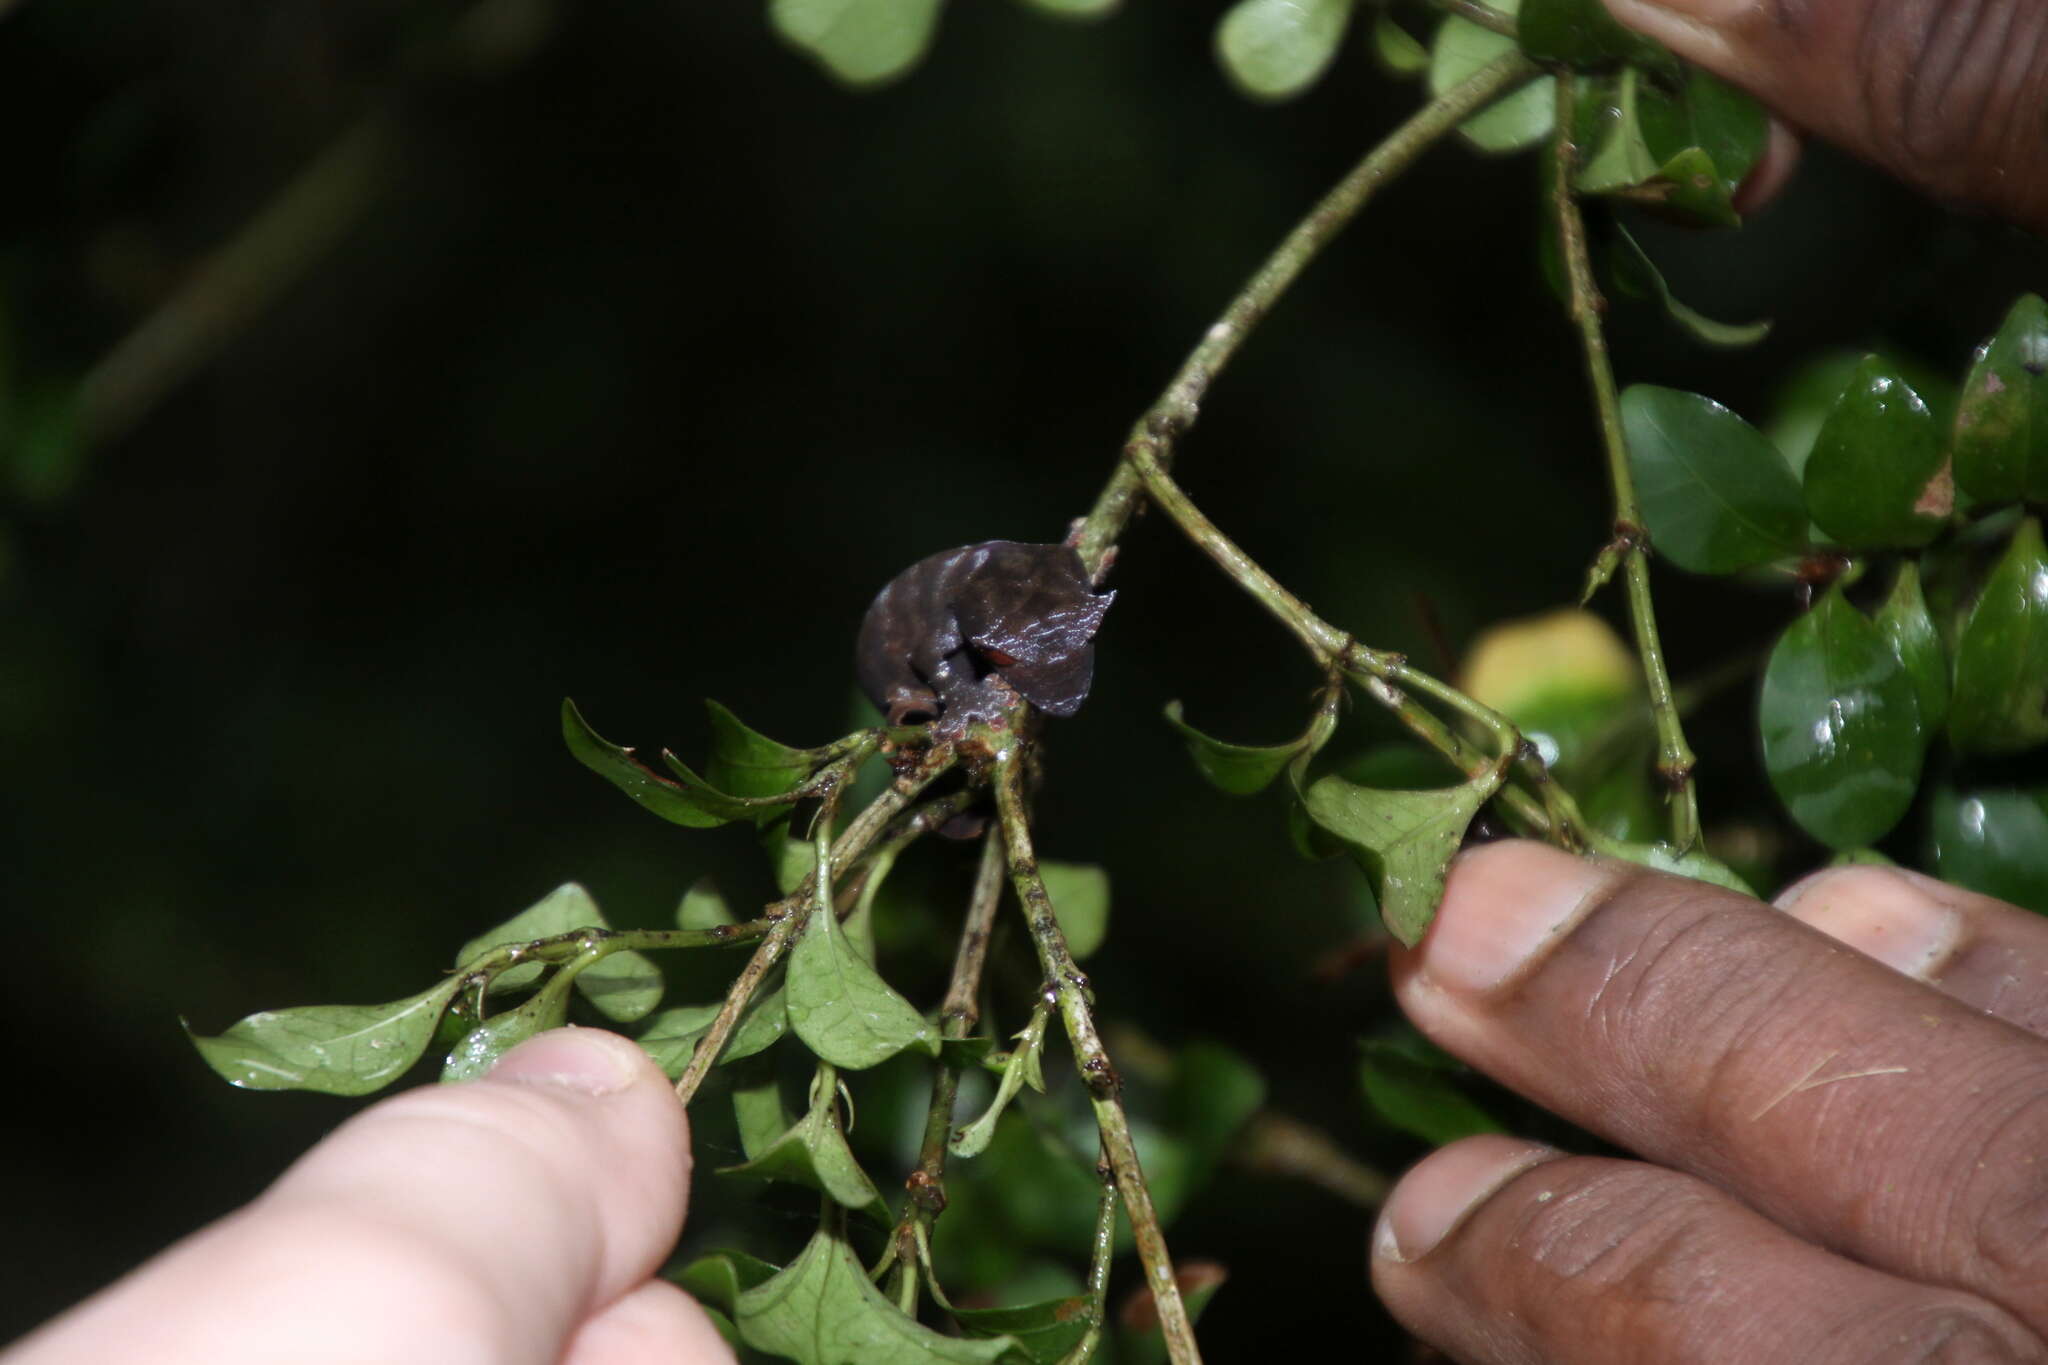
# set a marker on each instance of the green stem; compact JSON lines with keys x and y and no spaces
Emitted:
{"x":1174,"y":412}
{"x":1276,"y":1144}
{"x":1102,"y":1251}
{"x":1486,"y":16}
{"x":1674,"y":755}
{"x":1065,"y":982}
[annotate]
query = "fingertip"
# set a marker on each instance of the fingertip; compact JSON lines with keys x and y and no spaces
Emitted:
{"x":1442,"y":1191}
{"x":1504,"y":905}
{"x":588,"y":1061}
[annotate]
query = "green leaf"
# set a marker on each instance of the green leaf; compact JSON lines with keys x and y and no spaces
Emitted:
{"x":2001,"y":431}
{"x":1022,"y":1067}
{"x":693,"y":802}
{"x":1634,"y":271}
{"x":1620,"y":159}
{"x":1909,"y":627}
{"x":745,"y":762}
{"x":1396,"y":48}
{"x":841,"y":1008}
{"x":671,"y":1036}
{"x":721,"y":1277}
{"x":1841,"y":725}
{"x":1993,"y":840}
{"x":790,"y":859}
{"x":1138,"y":1338}
{"x":821,"y":1309}
{"x":2000,"y":701}
{"x":1523,"y":118}
{"x":812,"y":1152}
{"x":481,"y":1047}
{"x":862,"y":42}
{"x":1275,"y":49}
{"x":1715,"y":495}
{"x":1403,"y":839}
{"x":1080,"y":902}
{"x":332,"y":1049}
{"x":1876,"y":477}
{"x":1707,"y":138}
{"x":703,"y":907}
{"x":1211,"y":1095}
{"x":1582,"y":33}
{"x":1239,"y":769}
{"x":1075,"y":9}
{"x":1413,"y":1090}
{"x":765,"y":1020}
{"x":1044,"y":1331}
{"x":625,"y":985}
{"x":1692,"y":863}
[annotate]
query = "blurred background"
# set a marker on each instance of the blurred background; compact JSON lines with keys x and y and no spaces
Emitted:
{"x":376,"y":374}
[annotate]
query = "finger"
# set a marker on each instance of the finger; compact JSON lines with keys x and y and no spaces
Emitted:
{"x":458,"y":1222}
{"x":1948,"y":95}
{"x":1982,"y":951}
{"x":1712,"y":1034}
{"x":1772,"y":172}
{"x":1495,"y":1249}
{"x":656,"y":1324}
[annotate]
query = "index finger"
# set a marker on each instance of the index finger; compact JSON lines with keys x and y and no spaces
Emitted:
{"x":1707,"y":1032}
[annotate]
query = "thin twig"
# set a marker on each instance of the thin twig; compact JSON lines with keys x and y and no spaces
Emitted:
{"x":1674,"y":755}
{"x":1486,"y":16}
{"x":1275,"y":1144}
{"x":1101,"y":1252}
{"x":1065,"y":982}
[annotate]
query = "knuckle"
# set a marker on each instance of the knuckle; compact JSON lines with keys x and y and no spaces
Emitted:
{"x":2005,"y":1189}
{"x":1622,"y":1234}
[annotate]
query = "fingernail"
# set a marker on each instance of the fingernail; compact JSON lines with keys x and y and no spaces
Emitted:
{"x":590,"y":1061}
{"x":1705,"y":11}
{"x":1505,"y":905}
{"x":1880,"y":914}
{"x":1438,"y":1194}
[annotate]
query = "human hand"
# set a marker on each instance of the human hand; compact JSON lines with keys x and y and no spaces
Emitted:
{"x":1846,"y":1156}
{"x":1951,"y":96}
{"x":513,"y":1219}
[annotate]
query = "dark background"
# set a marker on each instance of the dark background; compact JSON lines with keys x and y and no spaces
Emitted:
{"x":642,"y":356}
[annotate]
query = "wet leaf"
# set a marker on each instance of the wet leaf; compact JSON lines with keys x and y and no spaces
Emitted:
{"x":1080,"y":902}
{"x":841,"y":1008}
{"x":1240,"y":769}
{"x":1635,"y":272}
{"x":481,"y":1047}
{"x":1523,"y":118}
{"x":1908,"y":626}
{"x":1403,"y":839}
{"x":1563,"y":677}
{"x":1840,"y":721}
{"x":1582,"y":33}
{"x":692,"y":802}
{"x":1692,"y":863}
{"x":671,"y":1036}
{"x":624,"y":985}
{"x":821,"y":1309}
{"x":1715,"y":495}
{"x":1045,"y":1331}
{"x":1875,"y":477}
{"x":2000,"y":700}
{"x":332,"y":1049}
{"x":1414,"y":1090}
{"x":812,"y":1152}
{"x":1993,"y":840}
{"x":1397,"y":49}
{"x":745,"y":762}
{"x":2001,"y":431}
{"x":1275,"y":49}
{"x":862,"y":42}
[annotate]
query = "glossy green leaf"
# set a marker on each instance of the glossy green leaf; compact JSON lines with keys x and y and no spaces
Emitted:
{"x":821,"y":1309}
{"x":1993,"y":840}
{"x":692,"y":802}
{"x":813,"y":1152}
{"x":1715,"y":495}
{"x":1876,"y":477}
{"x":1403,"y":839}
{"x":1692,"y":863}
{"x":1707,"y":138}
{"x":745,"y":762}
{"x":1414,"y":1090}
{"x":721,"y":1277}
{"x":703,"y":907}
{"x":481,"y":1047}
{"x":1523,"y":118}
{"x":1582,"y":33}
{"x":841,"y":1008}
{"x":332,"y":1049}
{"x":2001,"y":430}
{"x":1275,"y":49}
{"x":1909,"y":628}
{"x":1841,"y":729}
{"x":1046,"y":1332}
{"x":862,"y":42}
{"x":671,"y":1036}
{"x":624,"y":985}
{"x":1999,"y":704}
{"x":1634,"y":271}
{"x":1605,"y":122}
{"x":1240,"y":769}
{"x":1080,"y":902}
{"x":1397,"y":48}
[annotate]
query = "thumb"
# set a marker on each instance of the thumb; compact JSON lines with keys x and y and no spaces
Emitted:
{"x":1951,"y":96}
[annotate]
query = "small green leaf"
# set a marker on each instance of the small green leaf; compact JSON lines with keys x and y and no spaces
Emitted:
{"x":862,"y":42}
{"x":745,"y":762}
{"x":1908,"y":626}
{"x":703,"y":907}
{"x":481,"y":1047}
{"x":813,"y":1152}
{"x":1523,"y":118}
{"x":1022,"y":1067}
{"x":671,"y":1036}
{"x":1634,"y":270}
{"x":1582,"y":33}
{"x":1397,"y":49}
{"x":821,"y":1309}
{"x":1716,"y":496}
{"x":1708,"y":137}
{"x":624,"y":985}
{"x":1403,"y":839}
{"x":1692,"y":863}
{"x":1413,"y":1090}
{"x":332,"y":1049}
{"x":693,"y":802}
{"x":1275,"y":49}
{"x":1841,"y":725}
{"x":2000,"y":701}
{"x":2001,"y":431}
{"x":1046,"y":1332}
{"x":790,"y":859}
{"x":1239,"y":769}
{"x":721,"y":1277}
{"x":843,"y":1011}
{"x":1080,"y":902}
{"x":765,"y":1020}
{"x":1993,"y":840}
{"x":1620,"y":159}
{"x":1876,"y":476}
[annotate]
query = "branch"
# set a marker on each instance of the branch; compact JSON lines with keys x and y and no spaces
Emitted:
{"x":1674,"y":755}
